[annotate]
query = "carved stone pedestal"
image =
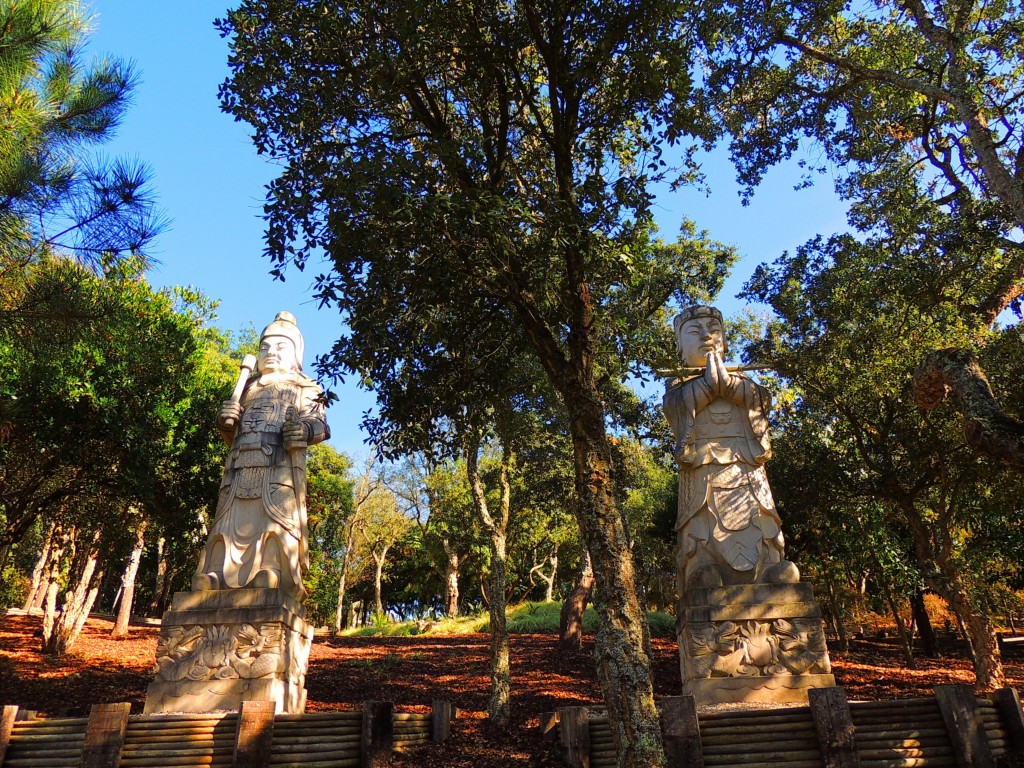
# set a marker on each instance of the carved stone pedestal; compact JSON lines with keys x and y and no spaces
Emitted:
{"x":221,"y":647}
{"x":752,"y":643}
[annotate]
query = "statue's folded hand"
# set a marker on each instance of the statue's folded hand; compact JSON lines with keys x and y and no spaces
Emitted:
{"x":294,"y":434}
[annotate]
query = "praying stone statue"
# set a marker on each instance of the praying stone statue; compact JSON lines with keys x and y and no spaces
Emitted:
{"x":747,"y":629}
{"x":241,"y":633}
{"x":729,"y":531}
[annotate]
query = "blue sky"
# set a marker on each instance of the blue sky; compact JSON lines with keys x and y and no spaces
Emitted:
{"x":210,"y":182}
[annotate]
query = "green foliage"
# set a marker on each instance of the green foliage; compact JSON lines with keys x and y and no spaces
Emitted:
{"x":108,"y":417}
{"x":330,"y":506}
{"x":14,"y":586}
{"x":932,"y":87}
{"x":525,"y":618}
{"x":896,"y":494}
{"x":55,"y":197}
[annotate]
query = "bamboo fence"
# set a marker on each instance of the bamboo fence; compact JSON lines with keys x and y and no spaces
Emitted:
{"x":253,"y":738}
{"x":953,"y":728}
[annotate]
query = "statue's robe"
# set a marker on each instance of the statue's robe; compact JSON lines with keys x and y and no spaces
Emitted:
{"x":726,"y":516}
{"x":260,"y":522}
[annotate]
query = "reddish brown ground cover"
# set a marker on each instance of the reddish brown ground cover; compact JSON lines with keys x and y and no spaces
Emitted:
{"x":412,"y":671}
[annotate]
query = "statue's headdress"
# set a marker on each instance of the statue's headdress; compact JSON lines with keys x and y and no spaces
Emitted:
{"x":693,"y":313}
{"x":284,"y":325}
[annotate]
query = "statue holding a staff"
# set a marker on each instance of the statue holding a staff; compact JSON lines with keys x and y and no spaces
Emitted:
{"x":259,"y":537}
{"x":728,"y":530}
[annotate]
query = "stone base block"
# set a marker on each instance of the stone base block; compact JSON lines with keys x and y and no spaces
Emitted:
{"x":219,"y":648}
{"x":752,"y":643}
{"x":776,"y":689}
{"x":211,"y":695}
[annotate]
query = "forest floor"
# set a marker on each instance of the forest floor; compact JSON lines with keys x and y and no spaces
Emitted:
{"x":412,"y":671}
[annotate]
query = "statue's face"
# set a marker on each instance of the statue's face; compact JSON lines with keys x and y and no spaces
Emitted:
{"x":698,"y":337}
{"x":277,"y":354}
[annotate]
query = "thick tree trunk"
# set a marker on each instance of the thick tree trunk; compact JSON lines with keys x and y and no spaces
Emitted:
{"x":623,"y":665}
{"x":570,"y":622}
{"x":942,"y":576}
{"x":159,"y":593}
{"x":339,"y":616}
{"x":76,"y":601}
{"x":131,"y":570}
{"x":498,"y":706}
{"x":981,"y":635}
{"x":52,"y":586}
{"x":987,"y":429}
{"x":37,"y":583}
{"x":378,"y":577}
{"x":83,"y":614}
{"x":929,"y":644}
{"x":452,"y":562}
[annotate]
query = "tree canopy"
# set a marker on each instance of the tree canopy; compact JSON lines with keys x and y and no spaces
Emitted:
{"x":482,"y":175}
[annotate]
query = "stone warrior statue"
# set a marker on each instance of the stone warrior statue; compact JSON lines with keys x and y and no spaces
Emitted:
{"x":727,"y":527}
{"x":259,"y":537}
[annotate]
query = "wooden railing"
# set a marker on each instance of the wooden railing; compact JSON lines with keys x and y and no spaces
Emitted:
{"x":253,"y":738}
{"x":954,"y":728}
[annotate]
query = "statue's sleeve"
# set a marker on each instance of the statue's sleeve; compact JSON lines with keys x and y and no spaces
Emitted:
{"x":314,"y":415}
{"x":757,"y":402}
{"x":681,"y":404}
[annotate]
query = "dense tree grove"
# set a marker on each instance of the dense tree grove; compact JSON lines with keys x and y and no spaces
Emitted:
{"x":480,"y":178}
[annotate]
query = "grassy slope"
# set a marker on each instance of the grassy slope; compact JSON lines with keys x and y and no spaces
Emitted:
{"x":525,"y":618}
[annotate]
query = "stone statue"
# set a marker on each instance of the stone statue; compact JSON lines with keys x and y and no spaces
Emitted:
{"x":258,"y":538}
{"x":241,"y":634}
{"x":727,"y":527}
{"x":748,"y":630}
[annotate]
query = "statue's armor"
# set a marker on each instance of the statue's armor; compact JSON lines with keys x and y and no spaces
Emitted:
{"x":260,"y":522}
{"x":262,"y":468}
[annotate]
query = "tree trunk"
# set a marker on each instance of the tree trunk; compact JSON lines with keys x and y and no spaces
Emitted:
{"x":159,"y":597}
{"x":346,"y":560}
{"x":570,"y":622}
{"x":339,"y":616}
{"x":124,"y":609}
{"x":549,"y":590}
{"x":837,"y":619}
{"x":498,"y":705}
{"x":76,"y":601}
{"x":353,"y":613}
{"x":623,"y":665}
{"x":987,"y":429}
{"x":942,"y":576}
{"x":901,"y":628}
{"x":52,"y":586}
{"x":378,"y":577}
{"x":37,"y":584}
{"x":83,"y":614}
{"x":451,"y":580}
{"x":929,"y":644}
{"x":165,"y":588}
{"x":982,"y":640}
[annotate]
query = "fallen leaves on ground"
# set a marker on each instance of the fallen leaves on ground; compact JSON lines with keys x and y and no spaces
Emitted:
{"x":413,"y":671}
